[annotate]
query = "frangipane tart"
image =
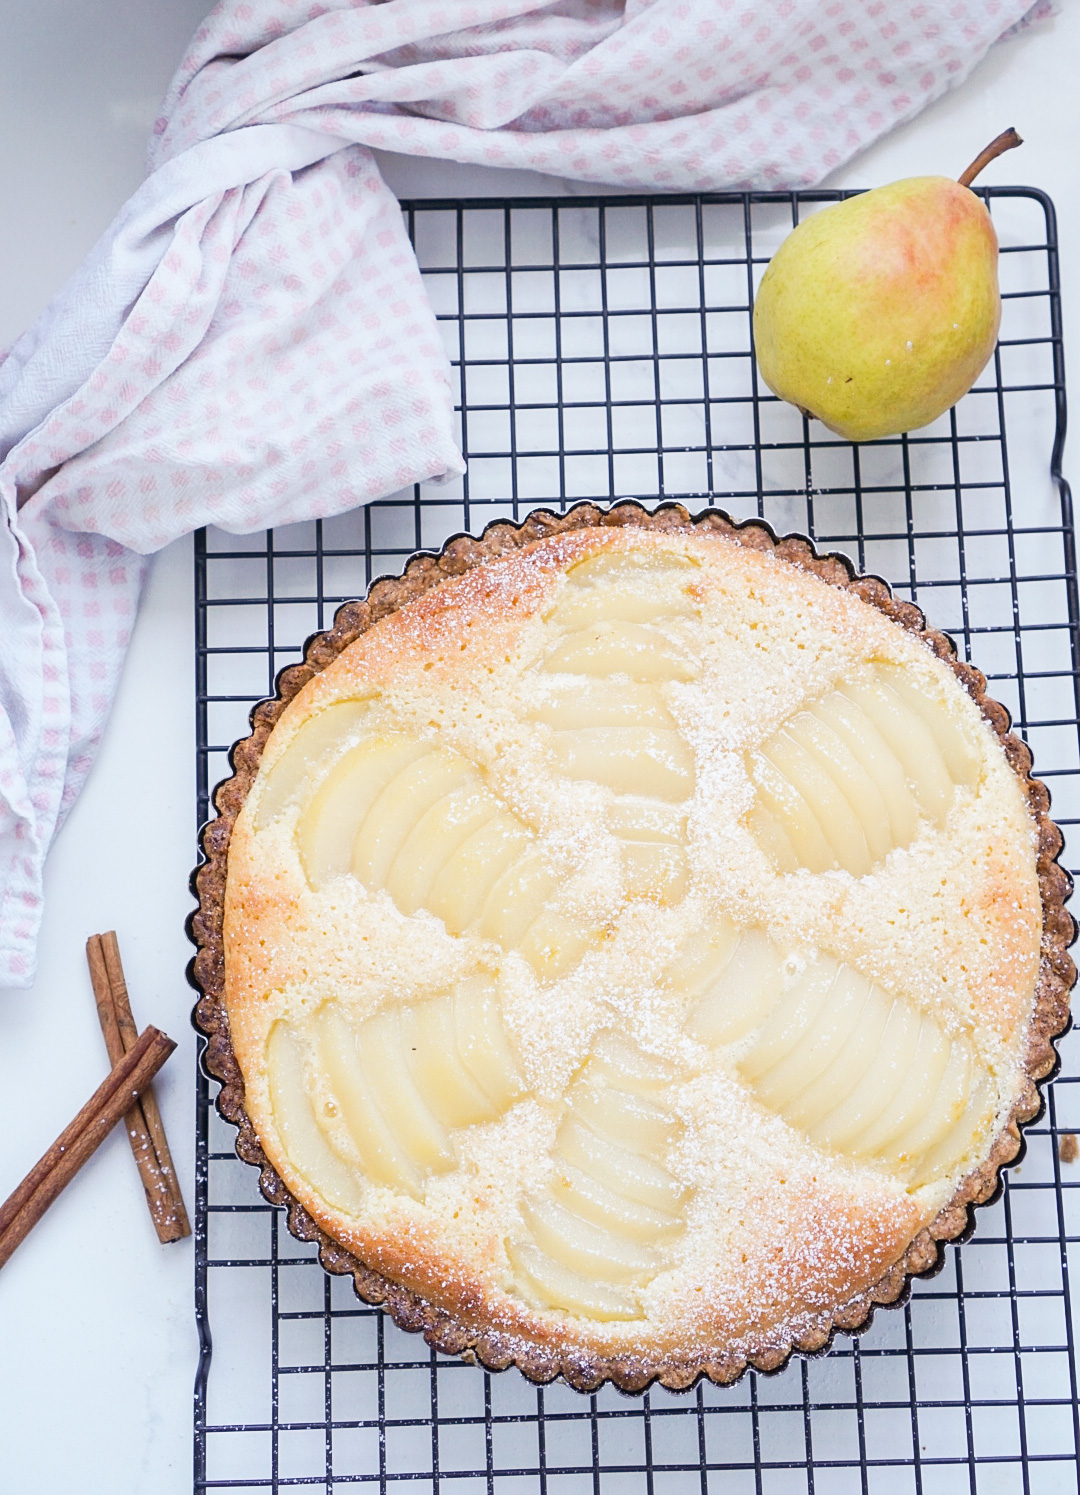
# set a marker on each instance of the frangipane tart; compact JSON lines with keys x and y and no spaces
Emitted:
{"x":633,"y":947}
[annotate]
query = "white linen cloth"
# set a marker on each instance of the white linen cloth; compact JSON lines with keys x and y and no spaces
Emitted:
{"x":250,"y":342}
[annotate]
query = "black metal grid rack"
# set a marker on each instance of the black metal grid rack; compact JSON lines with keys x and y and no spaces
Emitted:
{"x":602,"y":347}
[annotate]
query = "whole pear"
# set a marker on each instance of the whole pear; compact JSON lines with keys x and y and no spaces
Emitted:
{"x":877,"y":314}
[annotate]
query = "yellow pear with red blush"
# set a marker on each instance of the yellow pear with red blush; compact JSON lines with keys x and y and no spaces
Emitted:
{"x":878,"y":313}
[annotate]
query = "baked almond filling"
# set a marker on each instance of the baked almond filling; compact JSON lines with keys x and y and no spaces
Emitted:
{"x":631,"y":943}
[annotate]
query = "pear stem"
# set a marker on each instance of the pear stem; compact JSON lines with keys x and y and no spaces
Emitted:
{"x":1008,"y":140}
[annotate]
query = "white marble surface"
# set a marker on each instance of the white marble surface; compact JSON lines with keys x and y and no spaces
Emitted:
{"x":98,"y":1347}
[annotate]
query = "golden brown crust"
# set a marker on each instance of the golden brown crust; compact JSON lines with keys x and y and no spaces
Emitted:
{"x":499,"y":1346}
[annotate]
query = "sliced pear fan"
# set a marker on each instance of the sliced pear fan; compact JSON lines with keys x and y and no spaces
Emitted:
{"x":623,"y":589}
{"x":789,"y":809}
{"x":791,"y":1083}
{"x":418,"y":820}
{"x":515,"y":911}
{"x":439,"y":833}
{"x":329,"y":824}
{"x":843,"y":1127}
{"x":482,"y":1043}
{"x":620,"y":1170}
{"x":640,"y":650}
{"x":871,"y":751}
{"x":960,"y":757}
{"x":390,"y":1085}
{"x":911,"y":740}
{"x":544,"y":1282}
{"x":305,"y":1145}
{"x":864,"y":801}
{"x":784,"y":1038}
{"x":852,"y":1053}
{"x":430,"y":1040}
{"x":298,"y":766}
{"x":511,"y":905}
{"x":951,"y":1102}
{"x":383,"y":1157}
{"x":608,"y":1255}
{"x":829,"y":810}
{"x":859,"y":1072}
{"x":650,"y":761}
{"x":459,"y":891}
{"x":400,"y":1083}
{"x":735,"y":980}
{"x":913,"y":1097}
{"x":394,"y":813}
{"x":594,"y":1201}
{"x":642,"y":1126}
{"x":599,"y":1227}
{"x":960,"y":1140}
{"x":844,"y":781}
{"x":620,"y":734}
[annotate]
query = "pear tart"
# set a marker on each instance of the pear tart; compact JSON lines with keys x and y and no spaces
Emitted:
{"x":633,"y":947}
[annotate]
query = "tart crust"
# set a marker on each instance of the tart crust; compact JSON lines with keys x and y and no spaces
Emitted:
{"x":496,"y":1348}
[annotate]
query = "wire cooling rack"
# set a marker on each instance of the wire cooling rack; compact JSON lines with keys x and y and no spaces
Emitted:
{"x":601,"y":347}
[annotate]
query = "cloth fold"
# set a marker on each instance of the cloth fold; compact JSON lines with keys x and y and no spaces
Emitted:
{"x":250,"y":343}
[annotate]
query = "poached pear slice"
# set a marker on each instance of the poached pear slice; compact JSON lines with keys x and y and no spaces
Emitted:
{"x":545,"y":1283}
{"x":619,"y":1169}
{"x":635,"y":649}
{"x":305,"y":1145}
{"x":649,"y":761}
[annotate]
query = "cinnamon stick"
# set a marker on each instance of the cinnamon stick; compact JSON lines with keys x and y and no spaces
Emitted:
{"x":78,"y":1141}
{"x":143,"y":1123}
